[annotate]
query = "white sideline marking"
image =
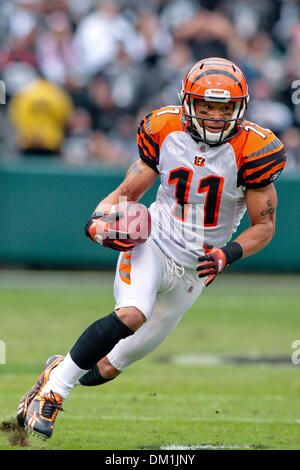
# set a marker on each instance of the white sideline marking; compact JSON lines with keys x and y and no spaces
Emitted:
{"x":255,"y":359}
{"x":202,"y":447}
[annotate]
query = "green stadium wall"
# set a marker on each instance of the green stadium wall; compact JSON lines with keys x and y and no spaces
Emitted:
{"x":45,"y":204}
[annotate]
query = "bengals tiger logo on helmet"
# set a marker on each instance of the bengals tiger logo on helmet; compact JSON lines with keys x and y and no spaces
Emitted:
{"x":214,"y":80}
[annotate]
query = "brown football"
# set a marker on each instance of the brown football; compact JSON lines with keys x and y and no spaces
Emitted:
{"x":135,"y":220}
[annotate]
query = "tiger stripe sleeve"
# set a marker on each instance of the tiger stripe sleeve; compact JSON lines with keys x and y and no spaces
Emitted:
{"x":263,"y":166}
{"x":147,"y":144}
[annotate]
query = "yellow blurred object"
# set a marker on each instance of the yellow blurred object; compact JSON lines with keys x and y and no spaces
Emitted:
{"x":40,"y":112}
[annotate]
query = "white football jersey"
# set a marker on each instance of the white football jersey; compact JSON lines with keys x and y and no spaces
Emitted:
{"x":201,"y":199}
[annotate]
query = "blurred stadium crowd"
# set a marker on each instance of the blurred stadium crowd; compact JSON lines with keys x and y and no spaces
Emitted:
{"x":79,"y":75}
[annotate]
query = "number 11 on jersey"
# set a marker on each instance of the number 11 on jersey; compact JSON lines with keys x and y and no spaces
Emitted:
{"x":211,"y":185}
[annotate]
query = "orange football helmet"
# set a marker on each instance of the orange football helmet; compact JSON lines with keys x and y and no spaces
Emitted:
{"x":217,"y":80}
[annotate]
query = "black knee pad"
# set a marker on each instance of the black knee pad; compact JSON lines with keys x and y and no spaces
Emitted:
{"x":98,"y":340}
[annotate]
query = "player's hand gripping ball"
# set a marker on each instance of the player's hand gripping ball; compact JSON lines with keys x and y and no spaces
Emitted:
{"x":127,"y":225}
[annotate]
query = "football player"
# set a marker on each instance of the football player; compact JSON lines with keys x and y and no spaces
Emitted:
{"x":213,"y":165}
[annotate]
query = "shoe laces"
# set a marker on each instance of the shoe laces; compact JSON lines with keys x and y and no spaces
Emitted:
{"x":51,"y":404}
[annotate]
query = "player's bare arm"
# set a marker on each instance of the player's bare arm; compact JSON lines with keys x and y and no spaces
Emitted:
{"x":261,"y":207}
{"x":139,"y":178}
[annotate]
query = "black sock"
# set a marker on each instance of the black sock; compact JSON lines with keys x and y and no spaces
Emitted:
{"x":93,"y":377}
{"x":98,"y":340}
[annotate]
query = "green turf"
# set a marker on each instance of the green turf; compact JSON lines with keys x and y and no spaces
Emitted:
{"x":156,"y":403}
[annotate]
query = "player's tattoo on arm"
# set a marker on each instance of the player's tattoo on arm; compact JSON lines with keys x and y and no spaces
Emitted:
{"x":268,"y":211}
{"x":271,"y":210}
{"x":134,"y":168}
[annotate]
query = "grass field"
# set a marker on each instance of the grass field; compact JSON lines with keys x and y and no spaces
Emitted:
{"x":170,"y":399}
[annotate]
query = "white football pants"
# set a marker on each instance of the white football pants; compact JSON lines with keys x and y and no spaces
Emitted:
{"x":162,"y":290}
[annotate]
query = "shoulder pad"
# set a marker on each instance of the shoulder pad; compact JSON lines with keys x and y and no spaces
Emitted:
{"x":262,"y":157}
{"x":153,"y":129}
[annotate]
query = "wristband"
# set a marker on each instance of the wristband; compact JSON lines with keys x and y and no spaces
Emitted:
{"x":233,"y":252}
